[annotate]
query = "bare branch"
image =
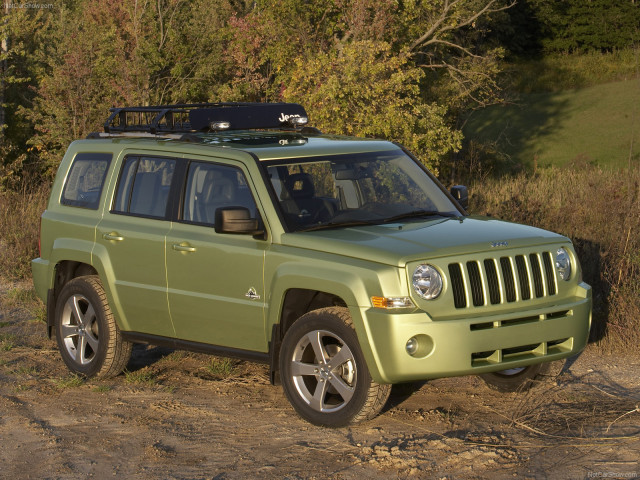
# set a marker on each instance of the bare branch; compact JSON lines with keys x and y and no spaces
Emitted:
{"x":436,"y":25}
{"x":436,"y":31}
{"x":452,"y":45}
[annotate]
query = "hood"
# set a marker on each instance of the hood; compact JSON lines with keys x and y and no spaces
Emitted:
{"x":399,"y":243}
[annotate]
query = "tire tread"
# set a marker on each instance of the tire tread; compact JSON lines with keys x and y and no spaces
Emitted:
{"x":118,"y":350}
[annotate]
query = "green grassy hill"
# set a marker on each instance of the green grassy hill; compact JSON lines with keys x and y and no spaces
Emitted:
{"x":596,"y":124}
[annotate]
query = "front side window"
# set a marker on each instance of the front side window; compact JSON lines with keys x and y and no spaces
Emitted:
{"x":84,"y":183}
{"x":212,"y":186}
{"x":143,"y":188}
{"x":366,"y":188}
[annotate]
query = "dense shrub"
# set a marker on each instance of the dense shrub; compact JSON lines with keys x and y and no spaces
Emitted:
{"x":600,"y":211}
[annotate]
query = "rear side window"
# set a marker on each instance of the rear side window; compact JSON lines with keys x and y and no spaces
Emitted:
{"x":85,"y":180}
{"x":143,"y":188}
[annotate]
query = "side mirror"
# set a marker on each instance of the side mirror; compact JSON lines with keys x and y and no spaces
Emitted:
{"x":235,"y":220}
{"x":461,"y":194}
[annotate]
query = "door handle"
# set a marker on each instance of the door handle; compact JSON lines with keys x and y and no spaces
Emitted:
{"x":115,"y":236}
{"x":183,"y":247}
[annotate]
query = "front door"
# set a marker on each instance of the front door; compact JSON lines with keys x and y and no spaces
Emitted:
{"x":216,"y":286}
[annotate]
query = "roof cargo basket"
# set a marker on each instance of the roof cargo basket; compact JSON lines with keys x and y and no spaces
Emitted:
{"x":204,"y":117}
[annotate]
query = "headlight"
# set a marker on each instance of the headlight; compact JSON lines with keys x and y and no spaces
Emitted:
{"x":427,"y":282}
{"x":563,"y":264}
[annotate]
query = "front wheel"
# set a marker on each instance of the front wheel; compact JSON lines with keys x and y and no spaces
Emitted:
{"x":88,"y":337}
{"x":323,"y":371}
{"x":516,"y":379}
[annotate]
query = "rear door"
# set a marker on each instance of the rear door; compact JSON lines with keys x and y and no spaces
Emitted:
{"x":132,"y":235}
{"x":216,"y":285}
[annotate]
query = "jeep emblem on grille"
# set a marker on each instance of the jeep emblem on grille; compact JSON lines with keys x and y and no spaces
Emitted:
{"x":499,"y":244}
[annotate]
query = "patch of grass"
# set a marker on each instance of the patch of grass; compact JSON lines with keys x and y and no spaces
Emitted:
{"x":559,"y":72}
{"x":25,"y":297}
{"x":70,"y":381}
{"x":19,"y":230}
{"x":101,"y":388}
{"x":4,"y":324}
{"x":596,"y":125}
{"x":144,"y":376}
{"x":7,"y":341}
{"x":27,"y":371}
{"x":221,"y":367}
{"x":175,"y":356}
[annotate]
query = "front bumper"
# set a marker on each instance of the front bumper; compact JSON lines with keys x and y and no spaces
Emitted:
{"x":474,"y":345}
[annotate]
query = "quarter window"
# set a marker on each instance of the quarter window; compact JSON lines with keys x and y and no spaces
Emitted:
{"x":143,"y":188}
{"x":83,"y":186}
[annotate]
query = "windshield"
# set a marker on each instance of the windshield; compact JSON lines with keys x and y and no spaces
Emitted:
{"x":355,"y":189}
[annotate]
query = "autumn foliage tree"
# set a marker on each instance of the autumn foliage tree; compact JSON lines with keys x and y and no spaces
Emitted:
{"x":362,"y":88}
{"x":408,"y":71}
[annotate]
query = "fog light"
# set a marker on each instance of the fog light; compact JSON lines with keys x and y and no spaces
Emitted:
{"x":420,"y":346}
{"x":412,"y":346}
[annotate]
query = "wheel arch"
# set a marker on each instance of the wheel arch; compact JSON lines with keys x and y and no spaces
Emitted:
{"x":63,"y":272}
{"x":295,"y":302}
{"x":330,"y":285}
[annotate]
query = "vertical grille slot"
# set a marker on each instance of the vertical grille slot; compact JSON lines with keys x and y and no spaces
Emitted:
{"x":548,"y":270}
{"x":537,"y":275}
{"x":492,"y":281}
{"x":509,"y":281}
{"x":457,"y":285}
{"x":523,"y":277}
{"x":476,"y":283}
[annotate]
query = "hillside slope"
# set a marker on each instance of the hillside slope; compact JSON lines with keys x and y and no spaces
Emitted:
{"x":598,"y":124}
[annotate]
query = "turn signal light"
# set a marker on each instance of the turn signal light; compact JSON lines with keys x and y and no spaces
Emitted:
{"x":391,"y":302}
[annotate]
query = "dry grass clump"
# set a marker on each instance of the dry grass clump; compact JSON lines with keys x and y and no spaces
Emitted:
{"x":600,"y":211}
{"x":20,"y":229}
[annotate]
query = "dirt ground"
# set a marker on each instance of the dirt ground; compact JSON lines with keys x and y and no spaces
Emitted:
{"x":179,"y":415}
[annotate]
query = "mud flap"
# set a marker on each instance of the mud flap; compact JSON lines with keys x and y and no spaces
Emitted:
{"x":274,"y":355}
{"x":51,"y":312}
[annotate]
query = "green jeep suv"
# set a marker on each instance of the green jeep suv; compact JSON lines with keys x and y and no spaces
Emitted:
{"x":237,"y":230}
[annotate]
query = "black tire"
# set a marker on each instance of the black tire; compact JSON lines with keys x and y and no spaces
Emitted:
{"x":516,"y":379}
{"x":321,"y":393}
{"x":88,"y":337}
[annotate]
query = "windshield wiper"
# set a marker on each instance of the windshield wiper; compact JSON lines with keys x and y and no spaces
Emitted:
{"x":419,"y":213}
{"x":328,"y":225}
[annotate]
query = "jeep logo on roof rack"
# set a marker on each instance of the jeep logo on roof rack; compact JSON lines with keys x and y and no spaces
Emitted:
{"x":285,"y":118}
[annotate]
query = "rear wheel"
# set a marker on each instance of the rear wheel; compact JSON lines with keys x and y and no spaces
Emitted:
{"x":323,"y":371}
{"x":516,"y":379}
{"x":88,"y":337}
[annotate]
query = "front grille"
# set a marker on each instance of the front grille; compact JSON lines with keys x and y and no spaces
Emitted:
{"x":507,"y":279}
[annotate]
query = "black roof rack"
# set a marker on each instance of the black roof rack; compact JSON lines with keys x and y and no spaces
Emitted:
{"x":204,"y":117}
